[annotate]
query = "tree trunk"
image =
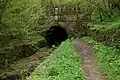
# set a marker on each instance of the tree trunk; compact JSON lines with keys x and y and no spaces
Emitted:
{"x":101,"y":19}
{"x":100,"y":14}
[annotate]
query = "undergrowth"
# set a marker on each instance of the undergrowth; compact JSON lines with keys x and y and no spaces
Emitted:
{"x":105,"y":25}
{"x":63,"y":64}
{"x":108,"y":59}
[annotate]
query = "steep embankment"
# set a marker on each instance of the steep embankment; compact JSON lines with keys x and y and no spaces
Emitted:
{"x":106,"y":32}
{"x":63,"y":64}
{"x":19,"y":69}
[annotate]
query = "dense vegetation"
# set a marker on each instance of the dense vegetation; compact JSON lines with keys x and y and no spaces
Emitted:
{"x":108,"y":59}
{"x":20,"y":27}
{"x":23,"y":19}
{"x":22,"y":23}
{"x":107,"y":32}
{"x":63,"y":64}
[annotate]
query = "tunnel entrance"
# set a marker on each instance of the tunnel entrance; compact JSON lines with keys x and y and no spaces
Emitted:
{"x":55,"y":35}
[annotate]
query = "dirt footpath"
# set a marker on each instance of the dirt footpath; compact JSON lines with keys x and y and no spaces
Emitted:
{"x":85,"y":51}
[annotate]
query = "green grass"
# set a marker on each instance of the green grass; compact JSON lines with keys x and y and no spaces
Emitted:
{"x":108,"y":59}
{"x":63,"y":64}
{"x":106,"y":25}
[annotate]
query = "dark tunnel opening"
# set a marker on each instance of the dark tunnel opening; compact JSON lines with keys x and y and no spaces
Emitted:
{"x":55,"y":35}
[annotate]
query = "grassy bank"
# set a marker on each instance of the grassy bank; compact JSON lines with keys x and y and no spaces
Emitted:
{"x":63,"y":64}
{"x":108,"y":59}
{"x":105,"y":25}
{"x":106,"y":32}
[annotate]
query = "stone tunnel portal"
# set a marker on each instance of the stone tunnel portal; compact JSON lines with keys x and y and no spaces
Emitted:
{"x":55,"y":35}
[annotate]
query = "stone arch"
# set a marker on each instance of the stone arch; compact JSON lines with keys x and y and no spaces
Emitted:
{"x":55,"y":35}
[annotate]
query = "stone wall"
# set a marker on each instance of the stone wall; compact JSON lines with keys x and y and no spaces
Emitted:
{"x":72,"y":20}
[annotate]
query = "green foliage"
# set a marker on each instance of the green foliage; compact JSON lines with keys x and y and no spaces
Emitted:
{"x":98,"y":10}
{"x":89,"y":40}
{"x":20,"y":28}
{"x":63,"y":64}
{"x":108,"y":59}
{"x":106,"y":25}
{"x":106,"y":32}
{"x":24,"y":18}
